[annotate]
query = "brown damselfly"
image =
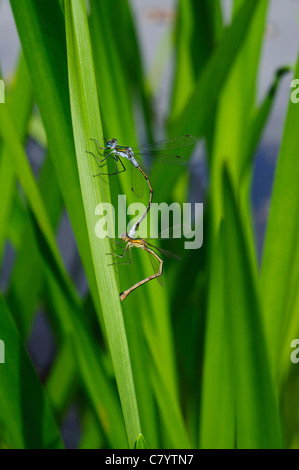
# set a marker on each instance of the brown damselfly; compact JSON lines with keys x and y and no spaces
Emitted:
{"x":156,"y":261}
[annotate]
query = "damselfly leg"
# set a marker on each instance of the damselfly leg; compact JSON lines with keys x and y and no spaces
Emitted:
{"x":126,"y":249}
{"x":154,"y":258}
{"x":101,"y":162}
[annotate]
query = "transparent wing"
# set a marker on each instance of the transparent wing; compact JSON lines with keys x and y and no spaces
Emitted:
{"x":159,"y":157}
{"x":155,"y":265}
{"x":137,"y":182}
{"x":143,"y":163}
{"x":177,"y":231}
{"x":168,"y":144}
{"x":167,"y":253}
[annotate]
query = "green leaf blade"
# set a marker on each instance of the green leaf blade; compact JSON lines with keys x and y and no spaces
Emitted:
{"x":87,"y":122}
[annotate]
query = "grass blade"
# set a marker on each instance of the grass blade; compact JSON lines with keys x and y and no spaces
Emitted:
{"x":150,"y":303}
{"x":280,"y":267}
{"x":202,"y":101}
{"x":217,"y":413}
{"x":257,"y":419}
{"x":69,"y":318}
{"x":25,"y":412}
{"x":26,"y":178}
{"x":198,"y":113}
{"x":20,"y":102}
{"x":42,"y":33}
{"x":198,"y":27}
{"x":27,"y":274}
{"x":86,"y":123}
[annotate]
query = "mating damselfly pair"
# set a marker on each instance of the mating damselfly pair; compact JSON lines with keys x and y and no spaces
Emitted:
{"x":140,"y":159}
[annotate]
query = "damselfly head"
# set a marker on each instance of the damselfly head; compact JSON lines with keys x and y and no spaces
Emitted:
{"x":111,"y":143}
{"x":125,"y":237}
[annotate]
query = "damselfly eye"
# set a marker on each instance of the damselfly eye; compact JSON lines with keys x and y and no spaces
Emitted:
{"x":108,"y":144}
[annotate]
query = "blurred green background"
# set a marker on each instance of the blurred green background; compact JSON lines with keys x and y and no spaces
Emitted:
{"x":205,"y":361}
